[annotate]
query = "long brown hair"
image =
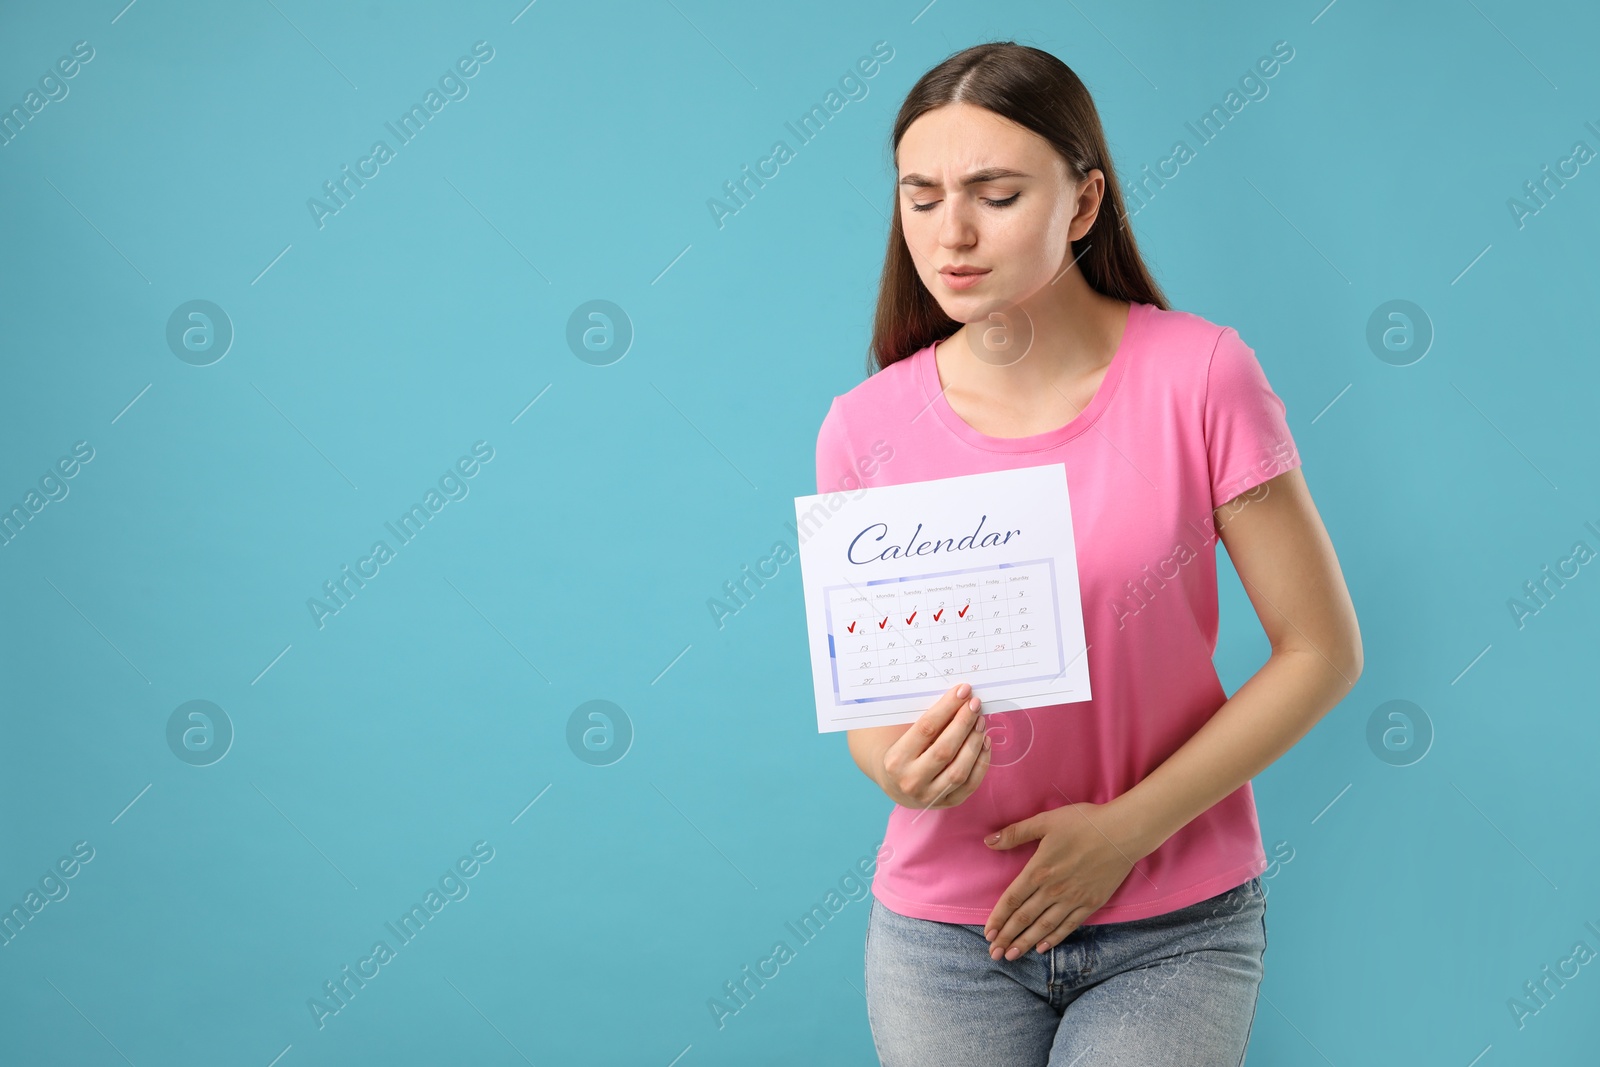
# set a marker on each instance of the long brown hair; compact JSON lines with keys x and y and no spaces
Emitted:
{"x":1038,"y":92}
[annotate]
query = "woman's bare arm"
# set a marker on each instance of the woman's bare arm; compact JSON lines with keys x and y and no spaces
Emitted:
{"x":868,"y":744}
{"x":1282,"y":554}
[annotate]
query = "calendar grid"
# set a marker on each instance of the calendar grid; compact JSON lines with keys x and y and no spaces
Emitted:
{"x":914,"y":635}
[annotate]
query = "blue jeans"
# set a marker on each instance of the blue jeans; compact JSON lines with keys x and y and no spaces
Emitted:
{"x":1178,"y":988}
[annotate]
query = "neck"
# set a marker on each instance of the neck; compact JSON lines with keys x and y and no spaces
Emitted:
{"x":1075,"y":333}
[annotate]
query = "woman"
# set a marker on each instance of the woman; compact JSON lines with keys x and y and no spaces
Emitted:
{"x":1080,"y":884}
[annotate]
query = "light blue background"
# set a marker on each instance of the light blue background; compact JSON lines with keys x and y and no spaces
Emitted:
{"x":431,"y":311}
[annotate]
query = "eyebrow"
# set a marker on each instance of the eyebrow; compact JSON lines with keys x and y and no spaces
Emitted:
{"x":977,"y":177}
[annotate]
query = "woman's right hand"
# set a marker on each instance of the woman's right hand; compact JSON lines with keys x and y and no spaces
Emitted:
{"x":940,"y":760}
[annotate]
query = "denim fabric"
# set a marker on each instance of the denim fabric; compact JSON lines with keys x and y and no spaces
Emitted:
{"x":1176,"y":989}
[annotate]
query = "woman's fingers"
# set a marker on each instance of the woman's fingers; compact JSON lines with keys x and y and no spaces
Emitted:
{"x":901,"y":759}
{"x":1034,"y":936}
{"x":1052,"y":927}
{"x":930,"y":726}
{"x":962,"y":770}
{"x":944,"y":789}
{"x":1064,"y":928}
{"x":1024,"y":923}
{"x":944,"y":751}
{"x":937,"y":719}
{"x":932,"y":763}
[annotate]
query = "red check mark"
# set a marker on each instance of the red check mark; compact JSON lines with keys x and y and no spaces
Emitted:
{"x":913,"y":615}
{"x":937,"y":614}
{"x":885,"y":620}
{"x":852,"y":627}
{"x":963,"y":612}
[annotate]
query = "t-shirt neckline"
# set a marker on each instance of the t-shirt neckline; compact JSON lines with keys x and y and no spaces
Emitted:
{"x":1115,"y":371}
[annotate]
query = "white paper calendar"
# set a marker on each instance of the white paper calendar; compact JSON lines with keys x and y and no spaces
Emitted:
{"x":912,"y":588}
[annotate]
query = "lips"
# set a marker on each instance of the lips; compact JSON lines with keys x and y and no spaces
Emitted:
{"x":959,"y":278}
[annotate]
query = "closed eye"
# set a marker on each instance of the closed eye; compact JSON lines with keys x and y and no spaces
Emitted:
{"x":930,"y":205}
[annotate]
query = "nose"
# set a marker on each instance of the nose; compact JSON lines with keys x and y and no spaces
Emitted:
{"x":956,"y":229}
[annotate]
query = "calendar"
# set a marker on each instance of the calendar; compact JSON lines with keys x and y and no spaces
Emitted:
{"x":913,"y":588}
{"x":921,"y":635}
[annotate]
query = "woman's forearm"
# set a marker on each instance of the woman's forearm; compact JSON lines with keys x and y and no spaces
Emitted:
{"x":867,"y":746}
{"x":1276,"y":707}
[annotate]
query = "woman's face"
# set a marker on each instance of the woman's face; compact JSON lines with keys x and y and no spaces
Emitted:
{"x":1014,"y":222}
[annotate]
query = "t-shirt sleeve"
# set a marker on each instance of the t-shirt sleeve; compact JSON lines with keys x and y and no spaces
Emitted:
{"x":1246,"y":429}
{"x":834,"y":465}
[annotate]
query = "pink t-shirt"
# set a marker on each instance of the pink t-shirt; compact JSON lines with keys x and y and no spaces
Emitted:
{"x":1184,"y":421}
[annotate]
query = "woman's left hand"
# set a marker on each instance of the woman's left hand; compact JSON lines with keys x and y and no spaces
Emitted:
{"x":1085,"y":852}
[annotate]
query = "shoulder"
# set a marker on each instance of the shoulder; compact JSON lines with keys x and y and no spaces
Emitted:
{"x":1182,"y":336}
{"x":895,"y":391}
{"x":1200,"y":356}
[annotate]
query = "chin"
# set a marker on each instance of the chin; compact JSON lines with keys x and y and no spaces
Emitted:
{"x":974,"y":307}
